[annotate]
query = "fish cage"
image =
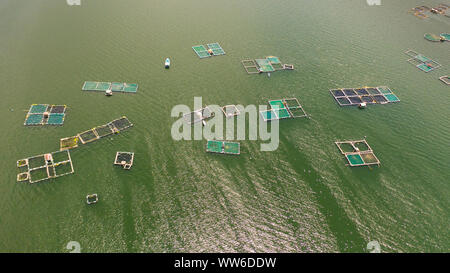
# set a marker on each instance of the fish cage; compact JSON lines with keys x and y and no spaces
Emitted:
{"x":250,"y":66}
{"x":230,"y":110}
{"x":45,"y":114}
{"x":283,"y":108}
{"x":269,"y":64}
{"x":357,"y":152}
{"x":432,"y":37}
{"x":113,"y":86}
{"x":275,"y":62}
{"x":198,"y":115}
{"x":264,"y":65}
{"x":421,"y":62}
{"x":214,"y":49}
{"x":96,"y":133}
{"x":368,"y":95}
{"x":124,"y":159}
{"x":46,"y":166}
{"x":68,"y":143}
{"x":91,"y":198}
{"x":223,"y":147}
{"x":445,"y":36}
{"x":445,"y":79}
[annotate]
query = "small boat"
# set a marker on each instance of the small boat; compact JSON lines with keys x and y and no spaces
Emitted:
{"x":108,"y":92}
{"x":91,"y":198}
{"x":362,"y":105}
{"x":167,"y":63}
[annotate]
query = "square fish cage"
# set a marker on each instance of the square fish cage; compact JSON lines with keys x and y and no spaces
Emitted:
{"x":124,"y":159}
{"x":230,"y":110}
{"x":357,"y":152}
{"x":223,"y":147}
{"x":45,"y":114}
{"x":46,"y":166}
{"x":198,"y":115}
{"x":368,"y":95}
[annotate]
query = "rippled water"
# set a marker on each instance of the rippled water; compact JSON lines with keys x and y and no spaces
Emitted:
{"x":300,"y":198}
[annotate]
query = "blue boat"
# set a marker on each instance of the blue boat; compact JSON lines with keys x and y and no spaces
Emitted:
{"x":167,"y":63}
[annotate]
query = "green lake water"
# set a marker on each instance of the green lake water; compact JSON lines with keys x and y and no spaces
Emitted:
{"x":178,"y":198}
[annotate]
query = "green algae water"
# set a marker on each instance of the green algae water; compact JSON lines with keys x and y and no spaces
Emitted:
{"x":178,"y":198}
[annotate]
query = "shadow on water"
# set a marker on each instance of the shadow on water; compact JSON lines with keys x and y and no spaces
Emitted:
{"x":347,"y":236}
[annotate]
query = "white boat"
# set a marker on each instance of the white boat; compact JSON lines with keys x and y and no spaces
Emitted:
{"x":167,"y":63}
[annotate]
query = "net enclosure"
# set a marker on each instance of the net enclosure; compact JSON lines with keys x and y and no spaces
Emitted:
{"x":124,"y":159}
{"x":357,"y":152}
{"x":198,"y":115}
{"x":45,"y":114}
{"x":96,"y":133}
{"x":445,"y":79}
{"x":368,"y":95}
{"x":421,"y":62}
{"x":213,"y":49}
{"x":283,"y":108}
{"x":223,"y":147}
{"x":45,"y":166}
{"x":113,"y":86}
{"x":230,"y":110}
{"x":266,"y":65}
{"x":423,"y":12}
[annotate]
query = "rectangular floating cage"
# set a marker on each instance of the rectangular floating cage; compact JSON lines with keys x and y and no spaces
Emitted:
{"x":445,"y":79}
{"x":96,"y":133}
{"x":357,"y":152}
{"x":198,"y":115}
{"x":124,"y":159}
{"x":214,"y":49}
{"x":264,"y":65}
{"x":275,"y":62}
{"x":369,"y":95}
{"x":230,"y":110}
{"x":284,"y":108}
{"x":250,"y":66}
{"x":42,"y":167}
{"x":114,"y":86}
{"x":269,"y":64}
{"x":223,"y":147}
{"x":88,"y":136}
{"x":421,"y":62}
{"x":68,"y":143}
{"x":45,"y":114}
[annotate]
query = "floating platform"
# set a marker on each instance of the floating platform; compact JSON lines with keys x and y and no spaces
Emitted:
{"x":42,"y":167}
{"x":432,"y":37}
{"x":214,"y":49}
{"x":45,"y":114}
{"x":357,"y":152}
{"x":445,"y":36}
{"x":445,"y":79}
{"x":113,"y":86}
{"x":283,"y":108}
{"x":113,"y":127}
{"x":198,"y":115}
{"x":223,"y":147}
{"x":423,"y":12}
{"x":267,"y":65}
{"x":369,"y":95}
{"x":124,"y":159}
{"x":91,"y":198}
{"x":230,"y":110}
{"x":421,"y":62}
